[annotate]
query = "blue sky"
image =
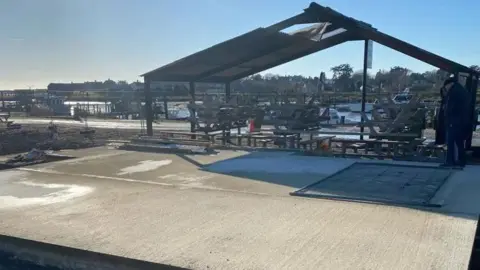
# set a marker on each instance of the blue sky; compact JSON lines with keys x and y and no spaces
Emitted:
{"x":76,"y":40}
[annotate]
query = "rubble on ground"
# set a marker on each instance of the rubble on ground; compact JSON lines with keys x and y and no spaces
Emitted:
{"x":33,"y":155}
{"x":55,"y":137}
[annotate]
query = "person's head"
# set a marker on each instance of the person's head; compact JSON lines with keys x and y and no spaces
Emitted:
{"x":447,"y":85}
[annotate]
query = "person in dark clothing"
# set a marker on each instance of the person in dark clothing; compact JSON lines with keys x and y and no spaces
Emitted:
{"x":456,"y":120}
{"x":440,"y":132}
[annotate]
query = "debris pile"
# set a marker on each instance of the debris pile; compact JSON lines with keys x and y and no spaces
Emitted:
{"x":57,"y":136}
{"x":24,"y":139}
{"x":33,"y":156}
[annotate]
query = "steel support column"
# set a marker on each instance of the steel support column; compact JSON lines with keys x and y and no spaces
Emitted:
{"x":148,"y":106}
{"x":192,"y":101}
{"x":165,"y":105}
{"x":471,"y":86}
{"x":227,"y":92}
{"x":364,"y":85}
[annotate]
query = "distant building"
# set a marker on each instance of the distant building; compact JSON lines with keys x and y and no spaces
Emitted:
{"x":215,"y":91}
{"x":136,"y":86}
{"x":66,"y":87}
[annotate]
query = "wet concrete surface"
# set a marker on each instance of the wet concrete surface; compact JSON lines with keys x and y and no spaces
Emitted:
{"x":228,"y":216}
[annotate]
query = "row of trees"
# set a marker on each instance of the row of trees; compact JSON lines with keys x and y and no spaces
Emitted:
{"x":345,"y":79}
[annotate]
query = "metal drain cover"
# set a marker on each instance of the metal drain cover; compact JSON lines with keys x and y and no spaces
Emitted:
{"x":380,"y":182}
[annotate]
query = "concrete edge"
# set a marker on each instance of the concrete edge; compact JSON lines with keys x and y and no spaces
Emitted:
{"x":45,"y":254}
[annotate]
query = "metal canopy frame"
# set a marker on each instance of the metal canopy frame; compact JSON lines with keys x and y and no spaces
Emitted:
{"x":245,"y":55}
{"x":366,"y":32}
{"x":265,"y":48}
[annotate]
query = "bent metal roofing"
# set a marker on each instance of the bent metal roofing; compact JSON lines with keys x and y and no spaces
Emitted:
{"x":265,"y":48}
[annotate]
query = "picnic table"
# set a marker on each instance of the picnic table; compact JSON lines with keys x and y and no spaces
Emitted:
{"x":159,"y":140}
{"x":263,"y":138}
{"x":317,"y":141}
{"x":193,"y":135}
{"x":392,"y":148}
{"x":4,"y":116}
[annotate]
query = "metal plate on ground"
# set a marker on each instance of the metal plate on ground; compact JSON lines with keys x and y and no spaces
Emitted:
{"x":382,"y":183}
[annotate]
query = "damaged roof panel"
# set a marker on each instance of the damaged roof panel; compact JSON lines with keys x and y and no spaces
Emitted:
{"x":265,"y":48}
{"x":225,"y":55}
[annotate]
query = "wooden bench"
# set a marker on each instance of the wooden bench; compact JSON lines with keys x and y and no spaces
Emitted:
{"x":257,"y":137}
{"x":263,"y":139}
{"x":229,"y":137}
{"x":4,"y":116}
{"x":266,"y":138}
{"x":354,"y":144}
{"x":407,"y":148}
{"x":392,"y":147}
{"x":431,"y":148}
{"x":320,"y":132}
{"x":193,"y":135}
{"x":318,"y":141}
{"x":153,"y":140}
{"x":358,"y":146}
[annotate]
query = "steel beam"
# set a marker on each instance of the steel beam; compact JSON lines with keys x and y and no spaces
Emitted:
{"x":318,"y":46}
{"x":297,"y":19}
{"x":364,"y":85}
{"x":148,"y":106}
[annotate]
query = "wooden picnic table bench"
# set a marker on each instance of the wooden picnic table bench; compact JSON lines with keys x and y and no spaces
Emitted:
{"x":258,"y":137}
{"x":193,"y":135}
{"x":377,"y":145}
{"x":321,"y":132}
{"x":354,"y":144}
{"x":156,"y":140}
{"x":264,"y":139}
{"x":4,"y":116}
{"x":318,"y":141}
{"x":430,"y":148}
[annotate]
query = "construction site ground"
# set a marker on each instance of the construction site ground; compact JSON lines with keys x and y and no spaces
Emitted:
{"x":196,"y":212}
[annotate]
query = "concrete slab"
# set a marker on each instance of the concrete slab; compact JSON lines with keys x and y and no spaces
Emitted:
{"x":162,"y":169}
{"x":250,"y":225}
{"x":255,"y":172}
{"x":460,"y":193}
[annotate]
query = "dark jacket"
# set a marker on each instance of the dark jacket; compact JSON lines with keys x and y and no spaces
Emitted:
{"x":456,"y":106}
{"x":440,"y":126}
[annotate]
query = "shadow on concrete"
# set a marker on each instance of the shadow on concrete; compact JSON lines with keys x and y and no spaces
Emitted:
{"x":297,"y":171}
{"x":190,"y":160}
{"x":402,"y":184}
{"x":18,"y":253}
{"x":166,"y":149}
{"x":280,"y":168}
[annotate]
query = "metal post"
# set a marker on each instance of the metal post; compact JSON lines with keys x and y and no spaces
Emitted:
{"x":148,"y":106}
{"x":165,"y":105}
{"x":226,"y":133}
{"x":227,"y":92}
{"x":192,"y":101}
{"x":364,"y":85}
{"x":471,"y":86}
